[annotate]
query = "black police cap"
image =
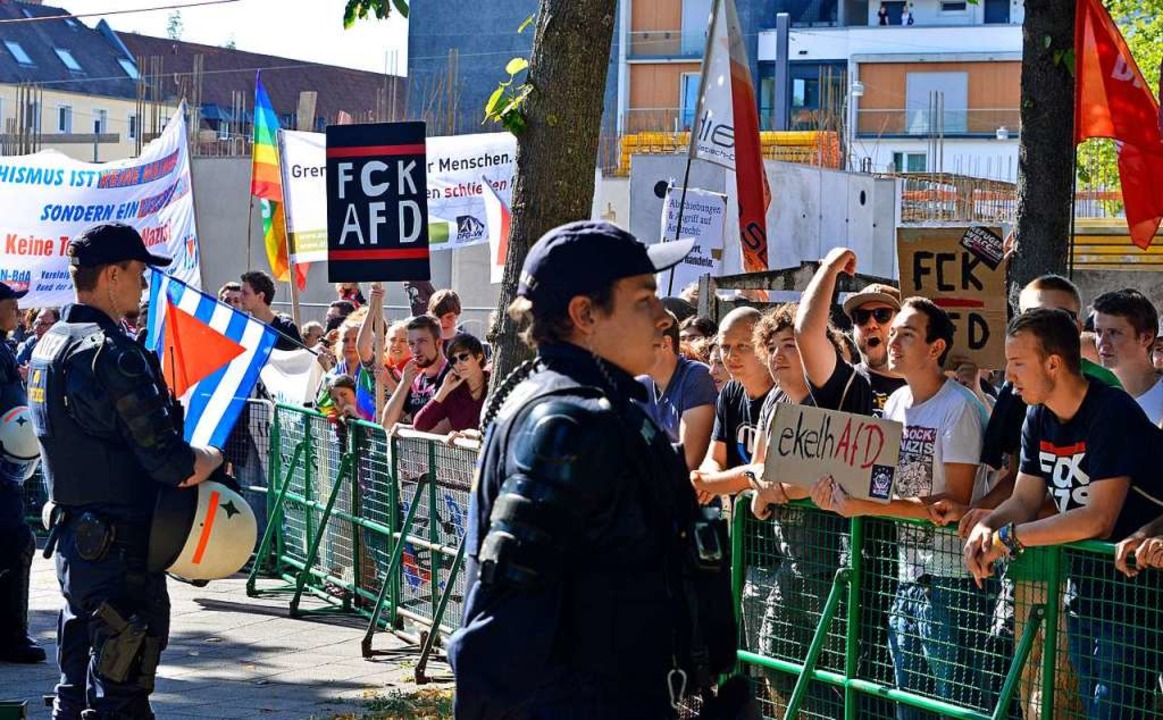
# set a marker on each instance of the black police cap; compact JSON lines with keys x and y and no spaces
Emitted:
{"x":111,"y":243}
{"x":7,"y":292}
{"x":581,"y":258}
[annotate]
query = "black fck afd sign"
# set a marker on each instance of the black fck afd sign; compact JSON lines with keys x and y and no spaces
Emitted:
{"x":377,"y":203}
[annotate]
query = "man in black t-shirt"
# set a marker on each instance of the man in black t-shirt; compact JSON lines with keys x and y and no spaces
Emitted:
{"x":1089,"y":446}
{"x":738,"y":408}
{"x":861,"y":388}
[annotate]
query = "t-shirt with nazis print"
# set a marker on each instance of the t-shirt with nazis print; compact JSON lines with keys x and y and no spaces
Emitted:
{"x":1109,"y":437}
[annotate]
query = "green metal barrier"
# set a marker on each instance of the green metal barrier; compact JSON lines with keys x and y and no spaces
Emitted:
{"x":988,"y":671}
{"x":372,"y":525}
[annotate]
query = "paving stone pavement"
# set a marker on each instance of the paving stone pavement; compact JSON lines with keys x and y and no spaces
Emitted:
{"x":233,"y":656}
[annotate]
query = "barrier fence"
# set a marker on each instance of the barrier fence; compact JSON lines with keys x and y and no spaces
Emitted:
{"x":872,"y":618}
{"x":865,"y":618}
{"x":372,"y":524}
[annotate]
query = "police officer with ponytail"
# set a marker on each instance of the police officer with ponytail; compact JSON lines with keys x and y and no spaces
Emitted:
{"x":110,"y":441}
{"x":597,"y":587}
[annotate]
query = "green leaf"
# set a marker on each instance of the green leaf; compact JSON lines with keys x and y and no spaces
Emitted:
{"x":401,"y":7}
{"x":527,"y":23}
{"x":494,"y":100}
{"x":1046,"y":42}
{"x":1069,"y":58}
{"x":516,"y":65}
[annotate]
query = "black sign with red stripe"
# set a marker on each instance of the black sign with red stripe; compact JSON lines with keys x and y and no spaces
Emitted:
{"x":377,"y":203}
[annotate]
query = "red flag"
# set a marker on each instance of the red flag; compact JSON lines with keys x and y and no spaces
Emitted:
{"x":193,"y":350}
{"x":499,"y":218}
{"x":1112,"y":100}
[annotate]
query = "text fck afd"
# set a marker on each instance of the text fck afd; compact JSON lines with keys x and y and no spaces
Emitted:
{"x":374,"y":182}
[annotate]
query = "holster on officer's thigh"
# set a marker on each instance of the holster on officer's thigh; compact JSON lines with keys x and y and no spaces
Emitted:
{"x":121,"y":645}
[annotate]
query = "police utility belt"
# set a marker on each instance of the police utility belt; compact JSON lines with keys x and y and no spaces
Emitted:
{"x":95,"y":536}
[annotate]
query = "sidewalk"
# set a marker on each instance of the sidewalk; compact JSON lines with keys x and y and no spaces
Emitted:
{"x":232,"y":656}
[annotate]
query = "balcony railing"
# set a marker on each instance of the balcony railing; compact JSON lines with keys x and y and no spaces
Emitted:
{"x":667,"y":44}
{"x":658,"y":120}
{"x":921,"y":122}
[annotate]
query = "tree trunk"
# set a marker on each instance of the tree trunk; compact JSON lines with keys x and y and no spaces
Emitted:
{"x":1046,"y":149}
{"x":557,"y":151}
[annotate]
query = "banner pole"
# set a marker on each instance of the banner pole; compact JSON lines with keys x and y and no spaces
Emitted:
{"x":686,"y":179}
{"x":703,"y":71}
{"x":381,"y":328}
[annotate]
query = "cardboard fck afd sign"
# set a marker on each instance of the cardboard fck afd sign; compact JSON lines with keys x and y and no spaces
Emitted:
{"x":377,"y":203}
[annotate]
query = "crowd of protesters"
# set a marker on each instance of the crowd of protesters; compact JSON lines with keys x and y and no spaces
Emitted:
{"x":1059,"y":446}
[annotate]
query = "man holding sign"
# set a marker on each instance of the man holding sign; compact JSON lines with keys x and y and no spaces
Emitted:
{"x":939,"y":622}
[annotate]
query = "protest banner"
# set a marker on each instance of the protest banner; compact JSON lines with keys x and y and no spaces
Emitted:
{"x":702,"y":219}
{"x":952,"y":267}
{"x":303,"y":164}
{"x":807,"y":443}
{"x":456,"y":200}
{"x":457,"y":215}
{"x":377,"y":203}
{"x":46,"y":199}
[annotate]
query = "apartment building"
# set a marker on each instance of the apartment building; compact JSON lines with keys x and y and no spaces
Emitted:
{"x":64,"y":87}
{"x":941,"y":94}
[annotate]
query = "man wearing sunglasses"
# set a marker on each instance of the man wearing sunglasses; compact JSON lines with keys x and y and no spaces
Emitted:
{"x":862,"y":388}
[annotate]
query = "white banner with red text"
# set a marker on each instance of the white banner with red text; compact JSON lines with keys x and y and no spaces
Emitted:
{"x":47,"y":198}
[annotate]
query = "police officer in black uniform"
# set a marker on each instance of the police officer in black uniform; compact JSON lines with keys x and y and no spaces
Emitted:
{"x":17,"y":543}
{"x":110,"y":440}
{"x":597,"y":588}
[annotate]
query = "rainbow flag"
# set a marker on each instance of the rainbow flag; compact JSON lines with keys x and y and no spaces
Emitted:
{"x":266,"y":183}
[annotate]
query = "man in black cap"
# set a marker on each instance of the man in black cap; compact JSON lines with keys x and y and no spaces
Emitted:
{"x":110,"y":438}
{"x":17,"y":543}
{"x":589,"y":559}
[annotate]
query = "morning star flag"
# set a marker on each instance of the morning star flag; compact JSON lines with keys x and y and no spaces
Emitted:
{"x":211,"y":355}
{"x":726,"y":128}
{"x":266,"y":184}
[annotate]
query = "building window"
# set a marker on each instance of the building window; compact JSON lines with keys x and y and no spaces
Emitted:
{"x":936,"y":102}
{"x":908,"y":162}
{"x":31,"y":118}
{"x":129,"y":67}
{"x":100,"y":121}
{"x":18,"y":52}
{"x":949,"y":6}
{"x":688,"y":100}
{"x":64,"y":119}
{"x":68,"y":59}
{"x":695,"y":14}
{"x":132,"y":124}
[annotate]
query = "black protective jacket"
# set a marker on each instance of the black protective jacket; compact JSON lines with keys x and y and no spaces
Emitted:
{"x":578,"y":595}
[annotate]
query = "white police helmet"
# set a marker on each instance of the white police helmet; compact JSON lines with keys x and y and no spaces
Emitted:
{"x":18,"y":442}
{"x":202,"y":533}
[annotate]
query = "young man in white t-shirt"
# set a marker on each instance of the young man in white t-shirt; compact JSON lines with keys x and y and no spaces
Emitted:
{"x":1125,"y":324}
{"x":939,"y":621}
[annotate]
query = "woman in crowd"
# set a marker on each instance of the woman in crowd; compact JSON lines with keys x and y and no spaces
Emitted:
{"x":718,"y":370}
{"x":456,"y":406}
{"x":348,"y":362}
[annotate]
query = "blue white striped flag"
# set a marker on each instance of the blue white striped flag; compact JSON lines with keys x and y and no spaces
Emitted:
{"x":216,"y":397}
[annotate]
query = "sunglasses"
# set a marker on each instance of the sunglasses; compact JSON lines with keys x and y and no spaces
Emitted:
{"x":461,"y":357}
{"x":883,"y":315}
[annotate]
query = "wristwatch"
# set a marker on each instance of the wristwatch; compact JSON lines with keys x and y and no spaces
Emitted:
{"x":752,"y":478}
{"x":1008,"y":537}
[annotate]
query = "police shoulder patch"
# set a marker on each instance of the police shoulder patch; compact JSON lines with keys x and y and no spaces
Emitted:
{"x":129,"y":360}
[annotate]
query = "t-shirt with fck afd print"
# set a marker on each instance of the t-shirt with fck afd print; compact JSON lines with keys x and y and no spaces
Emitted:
{"x":1110,"y":436}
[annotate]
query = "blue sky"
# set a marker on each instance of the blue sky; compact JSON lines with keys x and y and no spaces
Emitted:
{"x":298,"y":29}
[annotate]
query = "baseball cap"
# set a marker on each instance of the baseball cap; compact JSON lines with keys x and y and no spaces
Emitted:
{"x":876,"y":292}
{"x":7,"y":292}
{"x":110,"y":243}
{"x":582,"y":257}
